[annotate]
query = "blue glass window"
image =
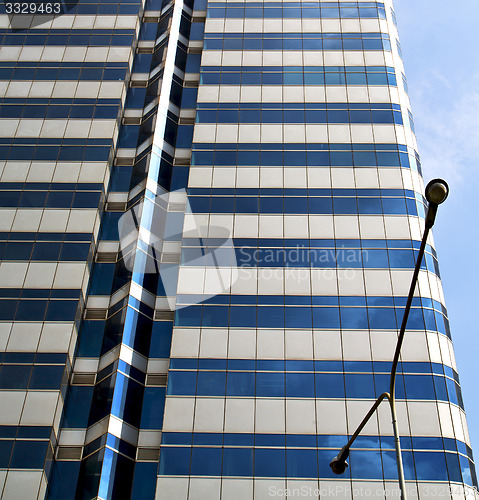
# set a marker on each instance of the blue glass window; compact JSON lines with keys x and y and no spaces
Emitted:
{"x":77,"y":407}
{"x":29,"y":454}
{"x":64,"y":475}
{"x":269,"y":462}
{"x":211,"y":383}
{"x":401,"y":258}
{"x":102,"y":278}
{"x":188,"y":316}
{"x":15,"y":376}
{"x":382,"y":318}
{"x":46,"y":377}
{"x":354,"y":318}
{"x":453,"y":467}
{"x":270,"y":385}
{"x":468,"y":471}
{"x":390,"y":464}
{"x":326,"y":317}
{"x":415,"y":320}
{"x":152,"y":408}
{"x":329,"y":385}
{"x":440,"y":387}
{"x":174,"y":461}
{"x":270,"y":317}
{"x":359,"y":385}
{"x":419,"y":386}
{"x":6,"y":447}
{"x":299,"y":385}
{"x":298,"y":317}
{"x":430,"y":466}
{"x":382,"y":383}
{"x":302,"y":463}
{"x":181,"y":383}
{"x":240,"y":384}
{"x":161,"y":339}
{"x":206,"y":461}
{"x":90,"y":339}
{"x":238,"y":462}
{"x":144,"y":481}
{"x":61,"y":310}
{"x":215,"y":316}
{"x":365,"y":464}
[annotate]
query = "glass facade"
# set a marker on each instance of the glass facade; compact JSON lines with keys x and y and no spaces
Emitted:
{"x":209,"y":216}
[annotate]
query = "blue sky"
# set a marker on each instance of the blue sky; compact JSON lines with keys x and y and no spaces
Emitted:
{"x":440,"y":50}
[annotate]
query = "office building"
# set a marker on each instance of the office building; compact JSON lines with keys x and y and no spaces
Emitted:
{"x":209,"y":218}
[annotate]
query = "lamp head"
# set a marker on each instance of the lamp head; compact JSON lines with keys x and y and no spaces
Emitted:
{"x":338,"y":465}
{"x":437,"y":191}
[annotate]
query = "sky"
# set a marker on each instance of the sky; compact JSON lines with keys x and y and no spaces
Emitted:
{"x":440,"y":51}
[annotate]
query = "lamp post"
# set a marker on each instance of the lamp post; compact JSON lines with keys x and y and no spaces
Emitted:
{"x":436,"y":193}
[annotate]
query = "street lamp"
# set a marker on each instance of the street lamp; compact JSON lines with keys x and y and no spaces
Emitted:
{"x":436,"y":193}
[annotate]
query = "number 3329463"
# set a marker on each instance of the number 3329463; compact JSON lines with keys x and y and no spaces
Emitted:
{"x":32,"y":8}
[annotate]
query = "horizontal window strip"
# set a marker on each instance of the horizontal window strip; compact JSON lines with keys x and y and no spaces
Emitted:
{"x":51,"y":111}
{"x":280,"y":384}
{"x":53,"y":70}
{"x":26,"y":431}
{"x":52,"y":199}
{"x":301,"y":158}
{"x":304,"y":258}
{"x":45,"y":152}
{"x":64,"y":37}
{"x":39,"y":309}
{"x":70,"y":74}
{"x":304,"y":253}
{"x":320,"y":366}
{"x":30,"y":358}
{"x":33,"y":377}
{"x":293,"y":243}
{"x":306,"y":205}
{"x":297,"y":10}
{"x":45,"y":251}
{"x":315,"y":300}
{"x":295,"y":75}
{"x":40,"y":293}
{"x":328,"y":441}
{"x":263,"y":154}
{"x":25,"y":454}
{"x":309,"y":317}
{"x":298,"y":78}
{"x":313,"y":464}
{"x":297,"y":41}
{"x":299,"y":116}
